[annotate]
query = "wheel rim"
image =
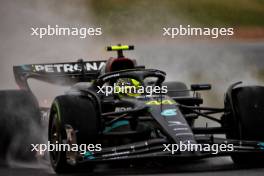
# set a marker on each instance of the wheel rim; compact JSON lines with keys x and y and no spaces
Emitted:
{"x":55,"y":137}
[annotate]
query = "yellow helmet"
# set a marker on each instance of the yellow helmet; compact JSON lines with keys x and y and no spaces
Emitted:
{"x":127,"y":87}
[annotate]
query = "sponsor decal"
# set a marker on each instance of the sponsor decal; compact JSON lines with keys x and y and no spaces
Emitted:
{"x":68,"y":67}
{"x":158,"y":102}
{"x":116,"y":153}
{"x":169,"y":112}
{"x":111,"y":76}
{"x":180,"y":129}
{"x":121,"y":109}
{"x":177,"y":123}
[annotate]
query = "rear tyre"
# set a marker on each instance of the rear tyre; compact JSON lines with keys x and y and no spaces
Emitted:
{"x":78,"y":112}
{"x":19,"y":124}
{"x":246,"y":121}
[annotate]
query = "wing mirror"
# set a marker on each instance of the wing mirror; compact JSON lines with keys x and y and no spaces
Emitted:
{"x":198,"y":87}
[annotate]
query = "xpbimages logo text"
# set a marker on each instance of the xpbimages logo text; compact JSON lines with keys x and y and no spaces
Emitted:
{"x":190,"y":31}
{"x":131,"y":90}
{"x":75,"y":31}
{"x":82,"y":148}
{"x":193,"y":147}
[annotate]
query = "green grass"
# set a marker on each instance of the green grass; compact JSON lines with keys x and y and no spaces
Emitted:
{"x":225,"y":12}
{"x":132,"y":16}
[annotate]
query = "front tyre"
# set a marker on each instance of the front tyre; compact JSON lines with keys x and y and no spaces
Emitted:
{"x":78,"y":112}
{"x":245,"y":121}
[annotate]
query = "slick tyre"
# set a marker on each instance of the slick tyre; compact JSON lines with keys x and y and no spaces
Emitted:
{"x":246,"y":121}
{"x":19,"y":125}
{"x":80,"y":113}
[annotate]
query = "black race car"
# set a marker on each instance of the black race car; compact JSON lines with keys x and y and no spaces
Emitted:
{"x":110,"y":115}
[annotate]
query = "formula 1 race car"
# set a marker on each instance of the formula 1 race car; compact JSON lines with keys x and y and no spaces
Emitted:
{"x":119,"y":111}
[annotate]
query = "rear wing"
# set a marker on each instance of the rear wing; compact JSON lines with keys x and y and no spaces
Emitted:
{"x":58,"y":73}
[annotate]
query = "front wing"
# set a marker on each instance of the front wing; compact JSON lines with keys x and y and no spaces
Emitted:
{"x":155,"y":149}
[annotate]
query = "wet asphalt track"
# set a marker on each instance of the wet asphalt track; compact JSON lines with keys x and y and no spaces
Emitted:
{"x":212,"y":166}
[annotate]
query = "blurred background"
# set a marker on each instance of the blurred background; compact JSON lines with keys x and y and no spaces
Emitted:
{"x":192,"y":60}
{"x":219,"y":62}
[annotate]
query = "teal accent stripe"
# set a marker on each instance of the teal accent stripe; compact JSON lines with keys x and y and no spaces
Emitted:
{"x":116,"y":125}
{"x":261,"y":145}
{"x":89,"y":155}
